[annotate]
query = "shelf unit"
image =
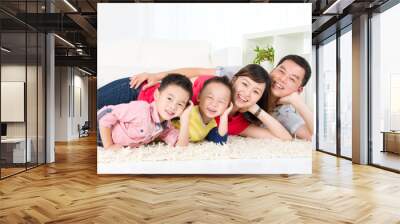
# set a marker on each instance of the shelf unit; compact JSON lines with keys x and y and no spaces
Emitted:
{"x":294,"y":40}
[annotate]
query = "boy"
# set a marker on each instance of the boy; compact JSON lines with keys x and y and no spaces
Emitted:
{"x":214,"y":100}
{"x":139,"y":122}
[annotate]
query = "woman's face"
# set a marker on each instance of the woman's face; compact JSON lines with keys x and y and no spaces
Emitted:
{"x":246,"y":92}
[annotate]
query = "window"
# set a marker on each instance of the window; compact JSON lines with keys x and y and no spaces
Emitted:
{"x":327,"y":96}
{"x":346,"y":93}
{"x":385,"y":87}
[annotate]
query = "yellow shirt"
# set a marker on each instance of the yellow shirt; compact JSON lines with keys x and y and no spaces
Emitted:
{"x":197,"y":129}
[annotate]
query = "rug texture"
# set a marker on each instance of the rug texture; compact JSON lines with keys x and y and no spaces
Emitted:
{"x":236,"y":148}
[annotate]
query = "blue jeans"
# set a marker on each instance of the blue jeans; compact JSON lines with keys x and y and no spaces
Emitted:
{"x":116,"y":92}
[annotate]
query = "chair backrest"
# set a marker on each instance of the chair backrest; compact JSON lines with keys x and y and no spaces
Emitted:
{"x":86,"y":125}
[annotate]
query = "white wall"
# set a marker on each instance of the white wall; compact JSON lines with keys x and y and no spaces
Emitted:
{"x":67,"y":115}
{"x":33,"y":126}
{"x":61,"y":103}
{"x":80,"y":83}
{"x":12,"y":73}
{"x":311,"y":91}
{"x":156,"y":37}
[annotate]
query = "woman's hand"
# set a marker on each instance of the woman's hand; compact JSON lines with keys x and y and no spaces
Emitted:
{"x":138,"y":79}
{"x":253,"y":109}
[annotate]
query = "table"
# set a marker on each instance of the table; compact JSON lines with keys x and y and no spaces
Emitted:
{"x":16,"y":148}
{"x":391,"y":141}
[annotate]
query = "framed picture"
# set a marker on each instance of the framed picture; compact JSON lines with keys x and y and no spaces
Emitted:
{"x":151,"y":41}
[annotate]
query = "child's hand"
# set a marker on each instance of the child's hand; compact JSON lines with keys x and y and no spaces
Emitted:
{"x":228,"y":110}
{"x":115,"y":146}
{"x":186,"y":113}
{"x":183,"y":139}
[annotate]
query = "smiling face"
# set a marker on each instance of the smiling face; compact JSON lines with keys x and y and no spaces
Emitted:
{"x":246,"y":92}
{"x":214,"y":99}
{"x":286,"y":79}
{"x":171,"y":101}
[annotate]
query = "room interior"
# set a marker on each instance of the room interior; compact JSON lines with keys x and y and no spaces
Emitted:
{"x":48,"y":92}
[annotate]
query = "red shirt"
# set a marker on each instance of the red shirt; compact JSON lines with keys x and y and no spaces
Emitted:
{"x":236,"y":123}
{"x":148,"y":94}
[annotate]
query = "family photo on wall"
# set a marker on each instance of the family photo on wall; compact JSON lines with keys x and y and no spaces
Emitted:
{"x":194,"y":90}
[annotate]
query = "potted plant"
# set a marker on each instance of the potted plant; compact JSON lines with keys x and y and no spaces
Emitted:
{"x":264,"y":57}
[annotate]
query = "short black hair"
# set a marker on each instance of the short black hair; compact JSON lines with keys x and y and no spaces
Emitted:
{"x":302,"y":62}
{"x":218,"y":79}
{"x":178,"y":80}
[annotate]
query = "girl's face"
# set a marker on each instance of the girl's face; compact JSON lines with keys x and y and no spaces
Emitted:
{"x":214,"y":99}
{"x":246,"y":92}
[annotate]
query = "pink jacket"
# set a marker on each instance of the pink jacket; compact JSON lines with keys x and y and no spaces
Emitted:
{"x":136,"y":123}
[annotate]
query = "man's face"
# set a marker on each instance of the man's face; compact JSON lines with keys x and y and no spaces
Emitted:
{"x":286,"y":79}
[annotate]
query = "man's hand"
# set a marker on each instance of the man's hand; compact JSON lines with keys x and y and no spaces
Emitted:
{"x":138,"y":79}
{"x":291,"y":99}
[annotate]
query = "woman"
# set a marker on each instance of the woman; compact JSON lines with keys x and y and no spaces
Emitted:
{"x":250,"y":86}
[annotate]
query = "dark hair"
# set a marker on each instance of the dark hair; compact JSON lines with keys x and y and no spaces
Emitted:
{"x":303,"y":63}
{"x":217,"y":79}
{"x":259,"y":75}
{"x":178,"y":80}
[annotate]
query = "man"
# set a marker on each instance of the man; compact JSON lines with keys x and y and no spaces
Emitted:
{"x":285,"y":104}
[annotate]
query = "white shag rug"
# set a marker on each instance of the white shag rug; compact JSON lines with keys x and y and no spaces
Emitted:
{"x":236,"y":148}
{"x":238,"y":156}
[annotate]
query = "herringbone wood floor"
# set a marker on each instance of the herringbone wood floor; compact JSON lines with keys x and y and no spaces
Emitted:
{"x":70,"y":191}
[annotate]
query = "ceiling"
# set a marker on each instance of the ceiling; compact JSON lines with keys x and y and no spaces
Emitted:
{"x":76,"y":22}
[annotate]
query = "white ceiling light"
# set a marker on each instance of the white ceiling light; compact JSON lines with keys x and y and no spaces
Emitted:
{"x":84,"y":71}
{"x":337,"y":7}
{"x":5,"y":49}
{"x":70,"y":5}
{"x":65,"y":41}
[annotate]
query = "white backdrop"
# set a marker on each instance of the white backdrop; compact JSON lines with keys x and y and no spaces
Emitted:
{"x":135,"y":38}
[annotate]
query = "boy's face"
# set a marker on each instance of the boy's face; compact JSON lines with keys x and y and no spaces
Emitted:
{"x":171,"y":101}
{"x":286,"y":79}
{"x":214,"y":99}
